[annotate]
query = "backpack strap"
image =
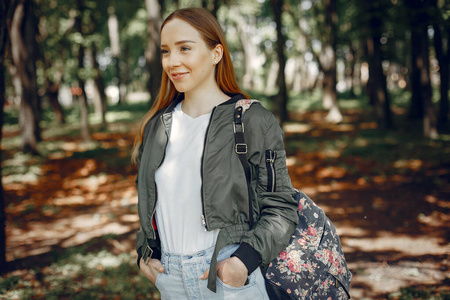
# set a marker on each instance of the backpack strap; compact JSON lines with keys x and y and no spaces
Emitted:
{"x":241,"y":148}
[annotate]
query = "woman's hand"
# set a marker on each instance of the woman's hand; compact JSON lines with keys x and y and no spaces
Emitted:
{"x":152,"y":269}
{"x":231,"y":271}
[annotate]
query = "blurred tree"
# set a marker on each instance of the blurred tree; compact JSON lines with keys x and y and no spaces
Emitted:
{"x":24,"y":54}
{"x":318,"y":28}
{"x":349,"y":42}
{"x":54,"y":47}
{"x":212,"y":6}
{"x":328,"y":62}
{"x":245,"y":24}
{"x":82,"y":97}
{"x":152,"y":52}
{"x":114,"y":38}
{"x":100,"y":96}
{"x":376,"y":85}
{"x":305,"y":37}
{"x":4,"y":8}
{"x":52,"y":89}
{"x":421,"y":104}
{"x":281,"y":99}
{"x":100,"y":86}
{"x":441,"y":39}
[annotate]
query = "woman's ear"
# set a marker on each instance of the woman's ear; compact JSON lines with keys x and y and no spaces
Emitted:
{"x":217,"y":53}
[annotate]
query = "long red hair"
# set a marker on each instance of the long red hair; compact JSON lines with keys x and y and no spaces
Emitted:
{"x":212,"y":34}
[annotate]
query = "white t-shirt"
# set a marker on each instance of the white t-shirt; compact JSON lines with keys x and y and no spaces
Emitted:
{"x":178,"y":181}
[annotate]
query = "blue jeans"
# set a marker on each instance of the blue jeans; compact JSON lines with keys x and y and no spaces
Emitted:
{"x":180,"y":279}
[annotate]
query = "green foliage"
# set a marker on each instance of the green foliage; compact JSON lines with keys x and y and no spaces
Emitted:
{"x":413,"y":293}
{"x":80,"y":273}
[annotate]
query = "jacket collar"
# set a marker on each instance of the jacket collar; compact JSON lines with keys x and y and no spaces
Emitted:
{"x":233,"y":99}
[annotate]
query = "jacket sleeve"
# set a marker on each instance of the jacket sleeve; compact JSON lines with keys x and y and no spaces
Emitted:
{"x":140,"y":236}
{"x":278,"y":209}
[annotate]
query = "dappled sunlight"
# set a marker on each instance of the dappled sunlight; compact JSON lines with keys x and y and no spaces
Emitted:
{"x":400,"y":243}
{"x":389,"y":205}
{"x":412,"y":164}
{"x":343,"y":127}
{"x":290,"y":128}
{"x":380,"y":278}
{"x":81,"y":194}
{"x":385,"y":194}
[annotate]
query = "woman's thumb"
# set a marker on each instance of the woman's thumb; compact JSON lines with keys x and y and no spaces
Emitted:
{"x":156,"y":264}
{"x":205,"y":275}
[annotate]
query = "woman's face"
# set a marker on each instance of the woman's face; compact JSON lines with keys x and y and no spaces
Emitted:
{"x":186,"y":59}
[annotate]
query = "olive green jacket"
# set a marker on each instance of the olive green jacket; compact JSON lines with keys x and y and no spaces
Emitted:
{"x":224,"y":187}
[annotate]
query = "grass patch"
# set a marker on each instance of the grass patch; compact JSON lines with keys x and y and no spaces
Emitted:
{"x":413,"y":293}
{"x":78,"y":273}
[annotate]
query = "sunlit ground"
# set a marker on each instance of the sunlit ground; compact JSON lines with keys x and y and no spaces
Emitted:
{"x":72,"y":217}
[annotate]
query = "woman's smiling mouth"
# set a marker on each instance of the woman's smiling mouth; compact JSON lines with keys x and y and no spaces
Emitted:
{"x":177,"y":76}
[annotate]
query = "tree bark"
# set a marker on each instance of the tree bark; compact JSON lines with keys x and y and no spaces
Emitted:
{"x":23,"y":48}
{"x":152,"y":53}
{"x":443,"y":58}
{"x":328,"y":62}
{"x":376,"y":85}
{"x":421,"y":103}
{"x":82,"y":98}
{"x":280,"y":107}
{"x":4,"y":8}
{"x":246,"y":27}
{"x":100,"y":85}
{"x":113,"y":29}
{"x":52,"y":95}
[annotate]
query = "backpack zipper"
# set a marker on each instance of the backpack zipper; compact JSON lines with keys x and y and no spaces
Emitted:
{"x":271,"y":176}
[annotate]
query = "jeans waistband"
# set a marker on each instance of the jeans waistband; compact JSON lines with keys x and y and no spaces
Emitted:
{"x":172,"y":257}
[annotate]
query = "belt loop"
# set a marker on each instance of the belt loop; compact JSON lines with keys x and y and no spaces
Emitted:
{"x":166,"y":259}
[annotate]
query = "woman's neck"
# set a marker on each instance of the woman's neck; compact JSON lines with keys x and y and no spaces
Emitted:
{"x":202,"y":102}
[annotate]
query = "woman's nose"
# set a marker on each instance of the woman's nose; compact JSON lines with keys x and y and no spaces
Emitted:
{"x":173,"y":60}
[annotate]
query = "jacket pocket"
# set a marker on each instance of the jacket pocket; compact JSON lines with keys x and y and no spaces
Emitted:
{"x":271,"y":173}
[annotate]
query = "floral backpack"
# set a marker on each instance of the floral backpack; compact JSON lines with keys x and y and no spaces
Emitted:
{"x":312,"y":266}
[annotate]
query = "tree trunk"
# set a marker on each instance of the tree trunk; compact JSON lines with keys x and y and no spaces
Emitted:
{"x":212,"y":6}
{"x":114,"y":38}
{"x":271,"y":78}
{"x":356,"y":77}
{"x":246,"y":27}
{"x":443,"y":59}
{"x":52,"y":95}
{"x":23,"y":48}
{"x":376,"y":85}
{"x":152,"y":53}
{"x":350,"y":72}
{"x":328,"y":62}
{"x":280,"y":107}
{"x":4,"y":7}
{"x":421,"y":103}
{"x":82,"y":98}
{"x":416,"y":109}
{"x":100,"y":85}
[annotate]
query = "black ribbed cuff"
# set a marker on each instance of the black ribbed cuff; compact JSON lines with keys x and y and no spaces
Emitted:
{"x":248,"y":256}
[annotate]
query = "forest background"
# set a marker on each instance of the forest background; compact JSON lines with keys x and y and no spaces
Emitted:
{"x":361,"y":89}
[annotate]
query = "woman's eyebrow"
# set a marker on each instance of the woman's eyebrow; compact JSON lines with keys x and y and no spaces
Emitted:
{"x":180,"y":42}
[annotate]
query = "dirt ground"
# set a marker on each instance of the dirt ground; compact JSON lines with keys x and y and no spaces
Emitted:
{"x":394,"y":227}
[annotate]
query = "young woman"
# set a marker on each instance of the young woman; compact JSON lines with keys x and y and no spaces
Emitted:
{"x":195,"y":241}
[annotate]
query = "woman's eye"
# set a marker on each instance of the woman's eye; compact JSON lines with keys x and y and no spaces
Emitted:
{"x":184,"y":48}
{"x":164,"y":51}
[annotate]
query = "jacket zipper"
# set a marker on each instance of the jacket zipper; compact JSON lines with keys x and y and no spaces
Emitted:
{"x":154,"y":182}
{"x":271,"y":176}
{"x":203,"y":218}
